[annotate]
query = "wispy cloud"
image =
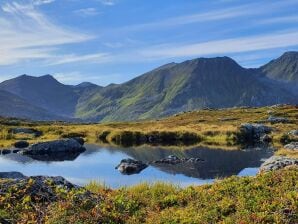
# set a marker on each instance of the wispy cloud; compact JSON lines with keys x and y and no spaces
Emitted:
{"x":107,"y":2}
{"x":42,"y":2}
{"x":26,"y":33}
{"x":233,"y":45}
{"x":87,"y":12}
{"x":71,"y":58}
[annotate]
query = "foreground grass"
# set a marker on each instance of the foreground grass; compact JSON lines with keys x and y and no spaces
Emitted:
{"x":266,"y":198}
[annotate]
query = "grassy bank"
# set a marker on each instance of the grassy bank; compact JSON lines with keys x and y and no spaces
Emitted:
{"x":266,"y":198}
{"x":205,"y":127}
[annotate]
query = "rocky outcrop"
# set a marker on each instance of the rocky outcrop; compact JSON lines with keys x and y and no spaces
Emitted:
{"x":253,"y":134}
{"x":31,"y":131}
{"x":274,"y":120}
{"x":292,"y":146}
{"x":57,"y":146}
{"x":277,"y":162}
{"x":21,"y":144}
{"x":11,"y":175}
{"x":173,"y":160}
{"x":130,"y":166}
{"x":80,"y":140}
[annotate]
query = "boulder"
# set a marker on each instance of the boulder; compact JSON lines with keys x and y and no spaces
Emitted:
{"x":173,"y":160}
{"x":21,"y":144}
{"x":11,"y":175}
{"x":5,"y":151}
{"x":277,"y":162}
{"x":64,"y":145}
{"x":293,"y":132}
{"x":265,"y":138}
{"x":130,"y":166}
{"x":292,"y":146}
{"x":274,"y":120}
{"x":79,"y":140}
{"x":253,"y":133}
{"x":32,"y":131}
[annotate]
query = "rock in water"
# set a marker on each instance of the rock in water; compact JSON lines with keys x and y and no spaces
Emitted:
{"x":21,"y":144}
{"x":79,"y":140}
{"x":130,"y":166}
{"x":254,"y":133}
{"x":64,"y":145}
{"x":173,"y":160}
{"x":292,"y":146}
{"x":277,"y":162}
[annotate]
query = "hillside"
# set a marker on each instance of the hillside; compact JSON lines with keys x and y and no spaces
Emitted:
{"x":194,"y":84}
{"x":283,"y":68}
{"x":14,"y":106}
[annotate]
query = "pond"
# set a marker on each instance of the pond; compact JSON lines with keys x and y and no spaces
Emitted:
{"x":98,"y":163}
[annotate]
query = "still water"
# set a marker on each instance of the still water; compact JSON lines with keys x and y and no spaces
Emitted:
{"x":98,"y":163}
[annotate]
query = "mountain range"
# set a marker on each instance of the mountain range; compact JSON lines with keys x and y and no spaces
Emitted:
{"x":172,"y":88}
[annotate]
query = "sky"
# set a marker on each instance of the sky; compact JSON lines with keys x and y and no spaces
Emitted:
{"x":113,"y":41}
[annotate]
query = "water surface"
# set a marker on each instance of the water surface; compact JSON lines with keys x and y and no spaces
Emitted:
{"x":98,"y":163}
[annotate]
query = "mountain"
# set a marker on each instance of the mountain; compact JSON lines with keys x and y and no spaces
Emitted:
{"x":47,"y":93}
{"x":172,"y":88}
{"x":14,"y":106}
{"x":283,"y":68}
{"x":203,"y":82}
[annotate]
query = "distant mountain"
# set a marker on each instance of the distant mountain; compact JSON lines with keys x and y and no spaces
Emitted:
{"x":14,"y":106}
{"x":283,"y":68}
{"x":46,"y":92}
{"x":172,"y":88}
{"x":203,"y":82}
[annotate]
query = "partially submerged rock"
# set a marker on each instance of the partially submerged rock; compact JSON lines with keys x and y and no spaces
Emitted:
{"x":79,"y":140}
{"x":5,"y":151}
{"x":64,"y":145}
{"x":130,"y":166}
{"x":11,"y":175}
{"x":292,"y":146}
{"x":277,"y":162}
{"x":254,"y":133}
{"x":173,"y":160}
{"x":21,"y":144}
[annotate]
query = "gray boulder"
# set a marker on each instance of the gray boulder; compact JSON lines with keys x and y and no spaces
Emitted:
{"x":79,"y":140}
{"x":277,"y":162}
{"x":274,"y":120}
{"x":57,"y":146}
{"x":11,"y":175}
{"x":21,"y":144}
{"x":293,"y":132}
{"x":130,"y":166}
{"x":31,"y":131}
{"x":292,"y":146}
{"x":253,"y":133}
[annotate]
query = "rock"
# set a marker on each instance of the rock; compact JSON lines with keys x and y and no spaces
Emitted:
{"x":173,"y":160}
{"x":79,"y":140}
{"x":5,"y":151}
{"x":274,"y":120}
{"x":293,"y":132}
{"x":16,"y":150}
{"x":265,"y":138}
{"x":11,"y":175}
{"x":32,"y":131}
{"x":21,"y":144}
{"x":252,"y":133}
{"x":292,"y":146}
{"x":130,"y":166}
{"x":277,"y":162}
{"x":64,"y":145}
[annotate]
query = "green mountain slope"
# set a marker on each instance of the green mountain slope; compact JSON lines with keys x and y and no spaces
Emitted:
{"x":283,"y":68}
{"x":204,"y":82}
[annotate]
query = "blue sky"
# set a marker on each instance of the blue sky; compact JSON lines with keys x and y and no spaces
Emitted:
{"x":112,"y":41}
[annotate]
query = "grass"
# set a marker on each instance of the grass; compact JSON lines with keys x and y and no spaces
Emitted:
{"x":205,"y":127}
{"x":267,"y":198}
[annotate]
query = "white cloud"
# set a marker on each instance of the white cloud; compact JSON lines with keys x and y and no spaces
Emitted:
{"x":107,"y":2}
{"x":71,"y":58}
{"x":87,"y":12}
{"x":233,"y":45}
{"x":42,"y":2}
{"x":26,"y":33}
